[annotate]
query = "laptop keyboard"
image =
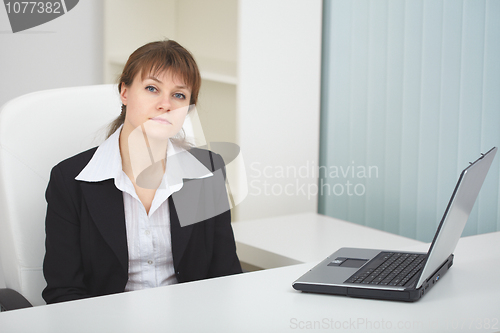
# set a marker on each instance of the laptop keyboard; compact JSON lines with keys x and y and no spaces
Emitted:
{"x":390,"y":269}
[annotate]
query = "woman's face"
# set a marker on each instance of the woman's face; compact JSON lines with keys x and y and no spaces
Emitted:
{"x":159,"y":103}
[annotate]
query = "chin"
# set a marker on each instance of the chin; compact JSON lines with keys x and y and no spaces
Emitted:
{"x":156,"y":131}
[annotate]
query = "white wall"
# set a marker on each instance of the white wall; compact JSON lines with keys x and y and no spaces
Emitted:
{"x":61,"y":53}
{"x":278,"y":102}
{"x":64,"y":52}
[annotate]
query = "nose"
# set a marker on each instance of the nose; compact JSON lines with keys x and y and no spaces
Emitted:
{"x":164,"y":103}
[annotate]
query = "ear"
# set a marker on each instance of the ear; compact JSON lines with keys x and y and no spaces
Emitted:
{"x":124,"y":94}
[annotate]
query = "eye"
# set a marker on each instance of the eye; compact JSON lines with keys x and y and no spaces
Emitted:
{"x":151,"y":89}
{"x":180,"y":96}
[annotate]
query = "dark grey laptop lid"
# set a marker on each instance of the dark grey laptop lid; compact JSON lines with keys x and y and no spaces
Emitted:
{"x":456,"y":214}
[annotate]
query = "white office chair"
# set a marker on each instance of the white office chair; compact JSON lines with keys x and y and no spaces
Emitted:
{"x":37,"y":131}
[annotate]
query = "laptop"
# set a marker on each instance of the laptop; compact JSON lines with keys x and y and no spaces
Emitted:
{"x":395,"y":275}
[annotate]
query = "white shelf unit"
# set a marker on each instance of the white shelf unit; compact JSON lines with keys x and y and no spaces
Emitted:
{"x":260,"y":64}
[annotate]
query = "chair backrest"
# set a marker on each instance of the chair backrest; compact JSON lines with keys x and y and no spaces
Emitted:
{"x":37,"y":131}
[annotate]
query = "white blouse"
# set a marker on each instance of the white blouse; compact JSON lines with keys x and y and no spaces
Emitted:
{"x":148,"y":234}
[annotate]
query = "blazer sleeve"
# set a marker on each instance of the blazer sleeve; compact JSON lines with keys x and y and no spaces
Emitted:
{"x":62,"y":266}
{"x":224,"y":259}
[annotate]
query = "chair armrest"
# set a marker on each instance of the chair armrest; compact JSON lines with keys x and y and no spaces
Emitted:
{"x":12,"y":300}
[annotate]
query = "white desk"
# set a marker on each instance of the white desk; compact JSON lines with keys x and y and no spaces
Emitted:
{"x":293,"y":239}
{"x":264,"y":301}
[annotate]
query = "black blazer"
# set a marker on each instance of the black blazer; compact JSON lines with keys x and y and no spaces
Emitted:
{"x":86,"y":244}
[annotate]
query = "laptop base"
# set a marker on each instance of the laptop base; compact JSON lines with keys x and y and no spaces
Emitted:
{"x":407,"y":295}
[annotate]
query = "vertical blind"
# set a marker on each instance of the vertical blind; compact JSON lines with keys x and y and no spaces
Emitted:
{"x":410,"y":95}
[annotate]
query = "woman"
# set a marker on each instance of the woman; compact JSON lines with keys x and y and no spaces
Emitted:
{"x":141,"y":210}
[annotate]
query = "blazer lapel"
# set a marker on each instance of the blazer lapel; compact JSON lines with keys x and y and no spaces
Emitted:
{"x":190,"y":200}
{"x":180,"y":235}
{"x":105,"y":204}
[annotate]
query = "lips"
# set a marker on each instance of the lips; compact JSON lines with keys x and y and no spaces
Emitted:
{"x":161,"y":120}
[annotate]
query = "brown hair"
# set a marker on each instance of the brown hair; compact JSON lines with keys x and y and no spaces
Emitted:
{"x":154,"y":58}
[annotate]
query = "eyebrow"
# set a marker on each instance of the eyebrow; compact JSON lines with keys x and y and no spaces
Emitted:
{"x":158,"y":80}
{"x":153,"y":78}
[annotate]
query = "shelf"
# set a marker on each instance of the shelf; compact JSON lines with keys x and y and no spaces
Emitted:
{"x":217,"y":70}
{"x":210,"y":69}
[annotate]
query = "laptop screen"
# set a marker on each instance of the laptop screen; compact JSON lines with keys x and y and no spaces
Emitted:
{"x":456,"y":214}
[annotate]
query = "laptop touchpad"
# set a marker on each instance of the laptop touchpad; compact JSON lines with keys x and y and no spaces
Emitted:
{"x":348,"y":262}
{"x":354,"y":263}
